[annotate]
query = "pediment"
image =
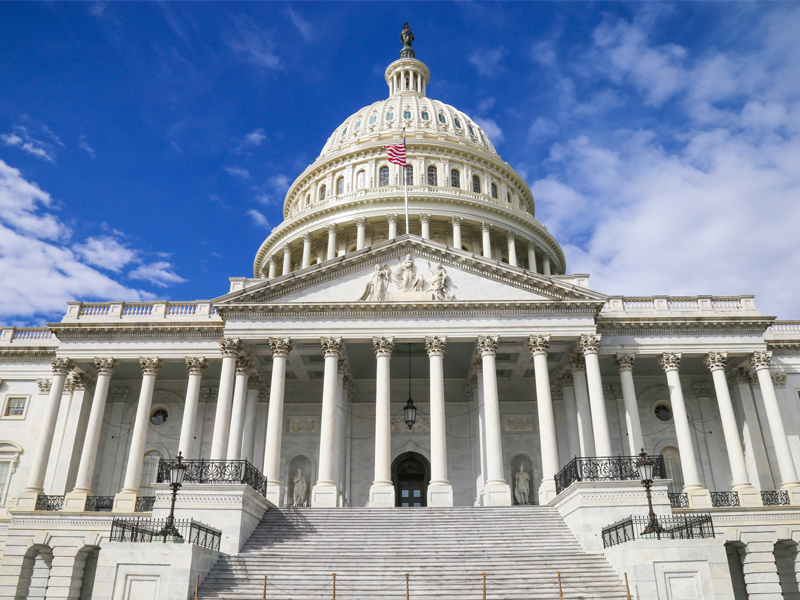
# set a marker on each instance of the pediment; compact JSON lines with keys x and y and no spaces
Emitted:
{"x":409,"y":270}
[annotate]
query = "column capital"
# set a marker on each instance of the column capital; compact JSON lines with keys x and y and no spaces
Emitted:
{"x":383,"y":346}
{"x":486,"y":226}
{"x":425,"y":217}
{"x":778,"y":378}
{"x":740,"y":375}
{"x":341,"y":238}
{"x":565,"y":380}
{"x":392,"y":218}
{"x":307,"y":236}
{"x":44,"y":386}
{"x":456,"y":220}
{"x":281,"y":346}
{"x":230,"y":347}
{"x":670,"y":361}
{"x":624,"y":362}
{"x":196,"y":365}
{"x":244,"y":365}
{"x":151,"y":365}
{"x":555,"y":392}
{"x":61,"y":366}
{"x":287,"y":248}
{"x":487,"y":344}
{"x":69,"y":385}
{"x":331,"y":347}
{"x":80,"y":381}
{"x":255,"y":381}
{"x":715,"y":360}
{"x":120,"y":394}
{"x":511,"y":235}
{"x":435,"y":345}
{"x":360,"y":221}
{"x":761,"y":360}
{"x":531,"y":245}
{"x":538,"y":344}
{"x":105,"y":366}
{"x":702,"y":390}
{"x":341,"y":365}
{"x":576,"y":362}
{"x":332,"y":227}
{"x":272,"y":260}
{"x":589,"y":343}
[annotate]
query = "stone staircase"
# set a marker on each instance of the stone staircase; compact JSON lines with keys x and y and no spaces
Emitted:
{"x":445,"y":551}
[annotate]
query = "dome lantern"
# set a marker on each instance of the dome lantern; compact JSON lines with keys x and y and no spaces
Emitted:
{"x":407,"y":75}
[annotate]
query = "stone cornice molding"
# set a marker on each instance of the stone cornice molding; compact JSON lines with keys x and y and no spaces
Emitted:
{"x":331,"y":347}
{"x":693,"y":324}
{"x":88,"y":331}
{"x":435,"y":345}
{"x":281,"y":347}
{"x":624,"y":362}
{"x":538,"y":344}
{"x":383,"y":346}
{"x":670,"y":361}
{"x":196,"y":365}
{"x":715,"y":360}
{"x":26,"y":354}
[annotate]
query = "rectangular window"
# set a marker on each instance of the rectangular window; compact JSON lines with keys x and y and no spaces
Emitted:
{"x":5,"y":471}
{"x":15,"y":407}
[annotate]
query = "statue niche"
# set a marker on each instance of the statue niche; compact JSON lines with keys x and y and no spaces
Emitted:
{"x":521,"y":480}
{"x":298,"y":481}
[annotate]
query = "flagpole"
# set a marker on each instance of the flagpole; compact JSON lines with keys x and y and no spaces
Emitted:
{"x":405,"y":177}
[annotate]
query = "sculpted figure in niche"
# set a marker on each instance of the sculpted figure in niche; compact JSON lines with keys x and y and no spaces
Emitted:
{"x":439,"y":283}
{"x":522,"y":486}
{"x":407,"y":280}
{"x":300,"y":489}
{"x":376,"y":287}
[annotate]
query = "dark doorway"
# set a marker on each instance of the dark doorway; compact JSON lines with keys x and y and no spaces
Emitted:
{"x":410,"y":474}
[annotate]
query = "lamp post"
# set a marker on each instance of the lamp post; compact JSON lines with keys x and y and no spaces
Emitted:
{"x":645,"y":468}
{"x":410,"y":410}
{"x":177,"y":471}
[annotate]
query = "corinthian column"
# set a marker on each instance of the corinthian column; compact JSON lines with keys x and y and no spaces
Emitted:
{"x":440,"y":492}
{"x":425,"y":225}
{"x":625,"y":364}
{"x":361,"y":224}
{"x":511,"y":237}
{"x":496,"y":491}
{"x":307,"y":239}
{"x":698,"y":495}
{"x":324,"y":493}
{"x":243,"y":368}
{"x":457,"y":232}
{"x":539,"y":345}
{"x":196,"y":365}
{"x":125,"y":501}
{"x":273,"y":268}
{"x":381,"y":493}
{"x":392,"y":218}
{"x":287,"y":259}
{"x":761,"y":362}
{"x":230,"y":347}
{"x":281,"y":347}
{"x":331,"y":241}
{"x":577,"y":366}
{"x":486,"y":235}
{"x":590,"y":347}
{"x":254,"y":383}
{"x":532,"y":257}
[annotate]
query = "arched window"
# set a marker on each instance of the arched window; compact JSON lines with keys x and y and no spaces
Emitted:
{"x":372,"y":119}
{"x":508,"y":195}
{"x":455,"y":178}
{"x":340,"y":186}
{"x":432,"y":176}
{"x":494,"y":191}
{"x":358,"y":126}
{"x":383,"y":179}
{"x":476,"y":184}
{"x":424,"y":115}
{"x":322,"y":193}
{"x":441,"y":118}
{"x":407,"y":114}
{"x":456,"y":121}
{"x":361,"y":180}
{"x":308,"y":199}
{"x":409,"y":175}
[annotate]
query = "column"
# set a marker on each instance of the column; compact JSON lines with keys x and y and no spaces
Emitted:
{"x":748,"y":495}
{"x":381,"y":493}
{"x":196,"y":365}
{"x":755,"y":451}
{"x":361,"y":223}
{"x":281,"y":347}
{"x":625,"y":363}
{"x":425,"y":220}
{"x":331,"y":241}
{"x":125,"y":501}
{"x":567,"y":384}
{"x":457,"y":232}
{"x":496,"y":491}
{"x":392,"y":226}
{"x":27,"y":500}
{"x":486,"y":237}
{"x":287,"y":259}
{"x":761,"y":362}
{"x":324,"y":494}
{"x":512,"y":248}
{"x":539,"y":345}
{"x":546,"y":265}
{"x":532,"y":257}
{"x":440,"y":492}
{"x":244,"y":366}
{"x":583,"y":409}
{"x":65,"y":454}
{"x":75,"y":501}
{"x":254,"y":383}
{"x":340,"y":453}
{"x":478,"y":392}
{"x":273,"y":267}
{"x":698,"y":495}
{"x":307,"y":239}
{"x":230,"y":347}
{"x":590,"y":347}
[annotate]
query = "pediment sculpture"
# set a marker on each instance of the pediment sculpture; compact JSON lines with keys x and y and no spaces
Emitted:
{"x":407,"y":280}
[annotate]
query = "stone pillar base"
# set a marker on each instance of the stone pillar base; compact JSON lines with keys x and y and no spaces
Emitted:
{"x":75,"y":502}
{"x":496,"y":493}
{"x":440,"y":495}
{"x":125,"y":502}
{"x":699,"y":497}
{"x":748,"y":495}
{"x":381,"y":495}
{"x":275,"y":493}
{"x":325,"y":495}
{"x":26,"y":501}
{"x":547,"y":491}
{"x":794,"y":493}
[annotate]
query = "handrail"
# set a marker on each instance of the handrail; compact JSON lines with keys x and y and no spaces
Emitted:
{"x":672,"y":527}
{"x":217,"y":471}
{"x":137,"y":529}
{"x":609,"y":468}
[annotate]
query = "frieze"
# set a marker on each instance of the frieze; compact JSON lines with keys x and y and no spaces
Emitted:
{"x":136,"y":332}
{"x":302,"y":425}
{"x":517,"y":423}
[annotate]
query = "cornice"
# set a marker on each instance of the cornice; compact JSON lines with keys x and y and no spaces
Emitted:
{"x":72,"y":331}
{"x":26,"y":354}
{"x":692,"y":324}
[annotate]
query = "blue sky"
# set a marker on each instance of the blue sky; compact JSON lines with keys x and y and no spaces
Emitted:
{"x":145,"y":148}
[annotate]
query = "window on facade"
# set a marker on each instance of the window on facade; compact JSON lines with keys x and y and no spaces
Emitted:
{"x":425,"y":115}
{"x":344,"y":132}
{"x":340,"y":186}
{"x":372,"y":120}
{"x":358,"y":126}
{"x":5,"y":473}
{"x":308,"y":199}
{"x":407,"y":114}
{"x":663,"y":413}
{"x":432,"y":176}
{"x":159,"y":416}
{"x":408,"y":83}
{"x":455,"y":178}
{"x":476,"y":184}
{"x":322,"y":193}
{"x":409,"y":175}
{"x":494,"y":191}
{"x":508,"y":196}
{"x":149,"y":473}
{"x":361,"y":180}
{"x":483,"y":139}
{"x":457,"y":122}
{"x":389,"y":116}
{"x":441,"y":118}
{"x":383,"y":179}
{"x":15,"y":406}
{"x":672,"y":464}
{"x":471,"y":130}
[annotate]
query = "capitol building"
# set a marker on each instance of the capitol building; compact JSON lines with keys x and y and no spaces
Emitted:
{"x":411,"y":388}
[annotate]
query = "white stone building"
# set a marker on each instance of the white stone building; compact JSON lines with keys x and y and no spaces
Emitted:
{"x":469,"y":309}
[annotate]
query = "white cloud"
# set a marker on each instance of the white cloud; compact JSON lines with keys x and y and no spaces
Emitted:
{"x":255,"y":137}
{"x":280,"y":183}
{"x":160,"y":273}
{"x":258,"y":218}
{"x":238,"y":172}
{"x":254,"y":45}
{"x":303,"y":26}
{"x":20,"y":201}
{"x":22,"y":139}
{"x":491,"y":129}
{"x":543,"y":128}
{"x":105,"y":252}
{"x":84,"y":145}
{"x":487,"y":62}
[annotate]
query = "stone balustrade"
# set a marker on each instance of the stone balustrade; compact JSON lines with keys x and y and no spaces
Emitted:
{"x":27,"y":336}
{"x":140,"y":311}
{"x":641,"y":306}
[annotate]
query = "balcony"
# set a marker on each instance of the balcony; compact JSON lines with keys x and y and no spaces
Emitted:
{"x":223,"y":472}
{"x":611,"y":468}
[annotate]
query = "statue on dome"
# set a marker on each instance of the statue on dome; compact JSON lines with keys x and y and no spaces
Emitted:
{"x":522,"y":486}
{"x":407,"y":280}
{"x":406,"y":36}
{"x":376,"y":286}
{"x":439,"y":283}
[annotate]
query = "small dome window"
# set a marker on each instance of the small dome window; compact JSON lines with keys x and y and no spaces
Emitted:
{"x":476,"y":184}
{"x":409,"y":175}
{"x":383,"y":176}
{"x":457,"y":122}
{"x":425,"y":115}
{"x":340,"y":186}
{"x":494,"y":191}
{"x":407,"y":114}
{"x":483,"y":139}
{"x":344,"y":132}
{"x":432,"y":179}
{"x":159,"y":416}
{"x":663,"y":413}
{"x":455,"y":178}
{"x":471,"y":130}
{"x":372,"y":120}
{"x":322,"y":193}
{"x":361,"y":180}
{"x":358,"y":126}
{"x":389,"y":116}
{"x":441,"y":118}
{"x":508,"y":195}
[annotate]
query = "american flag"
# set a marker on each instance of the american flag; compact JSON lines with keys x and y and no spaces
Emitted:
{"x":397,"y":154}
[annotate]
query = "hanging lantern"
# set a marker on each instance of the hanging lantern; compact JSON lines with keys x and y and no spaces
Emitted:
{"x":411,"y":413}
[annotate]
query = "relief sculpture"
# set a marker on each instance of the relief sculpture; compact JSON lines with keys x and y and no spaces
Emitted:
{"x":408,"y":280}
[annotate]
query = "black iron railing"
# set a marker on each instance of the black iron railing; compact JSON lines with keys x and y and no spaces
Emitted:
{"x":611,"y":468}
{"x":674,"y":527}
{"x":144,"y":504}
{"x":99,"y":504}
{"x":773,"y":498}
{"x":133,"y":529}
{"x":719,"y":499}
{"x":217,"y":471}
{"x":49,"y":502}
{"x":678,"y":499}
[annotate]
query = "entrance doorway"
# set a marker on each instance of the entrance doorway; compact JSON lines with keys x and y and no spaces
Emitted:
{"x":410,"y":475}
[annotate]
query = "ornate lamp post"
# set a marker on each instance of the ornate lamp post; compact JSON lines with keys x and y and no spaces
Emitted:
{"x":177,"y":471}
{"x":645,"y":468}
{"x":410,"y":410}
